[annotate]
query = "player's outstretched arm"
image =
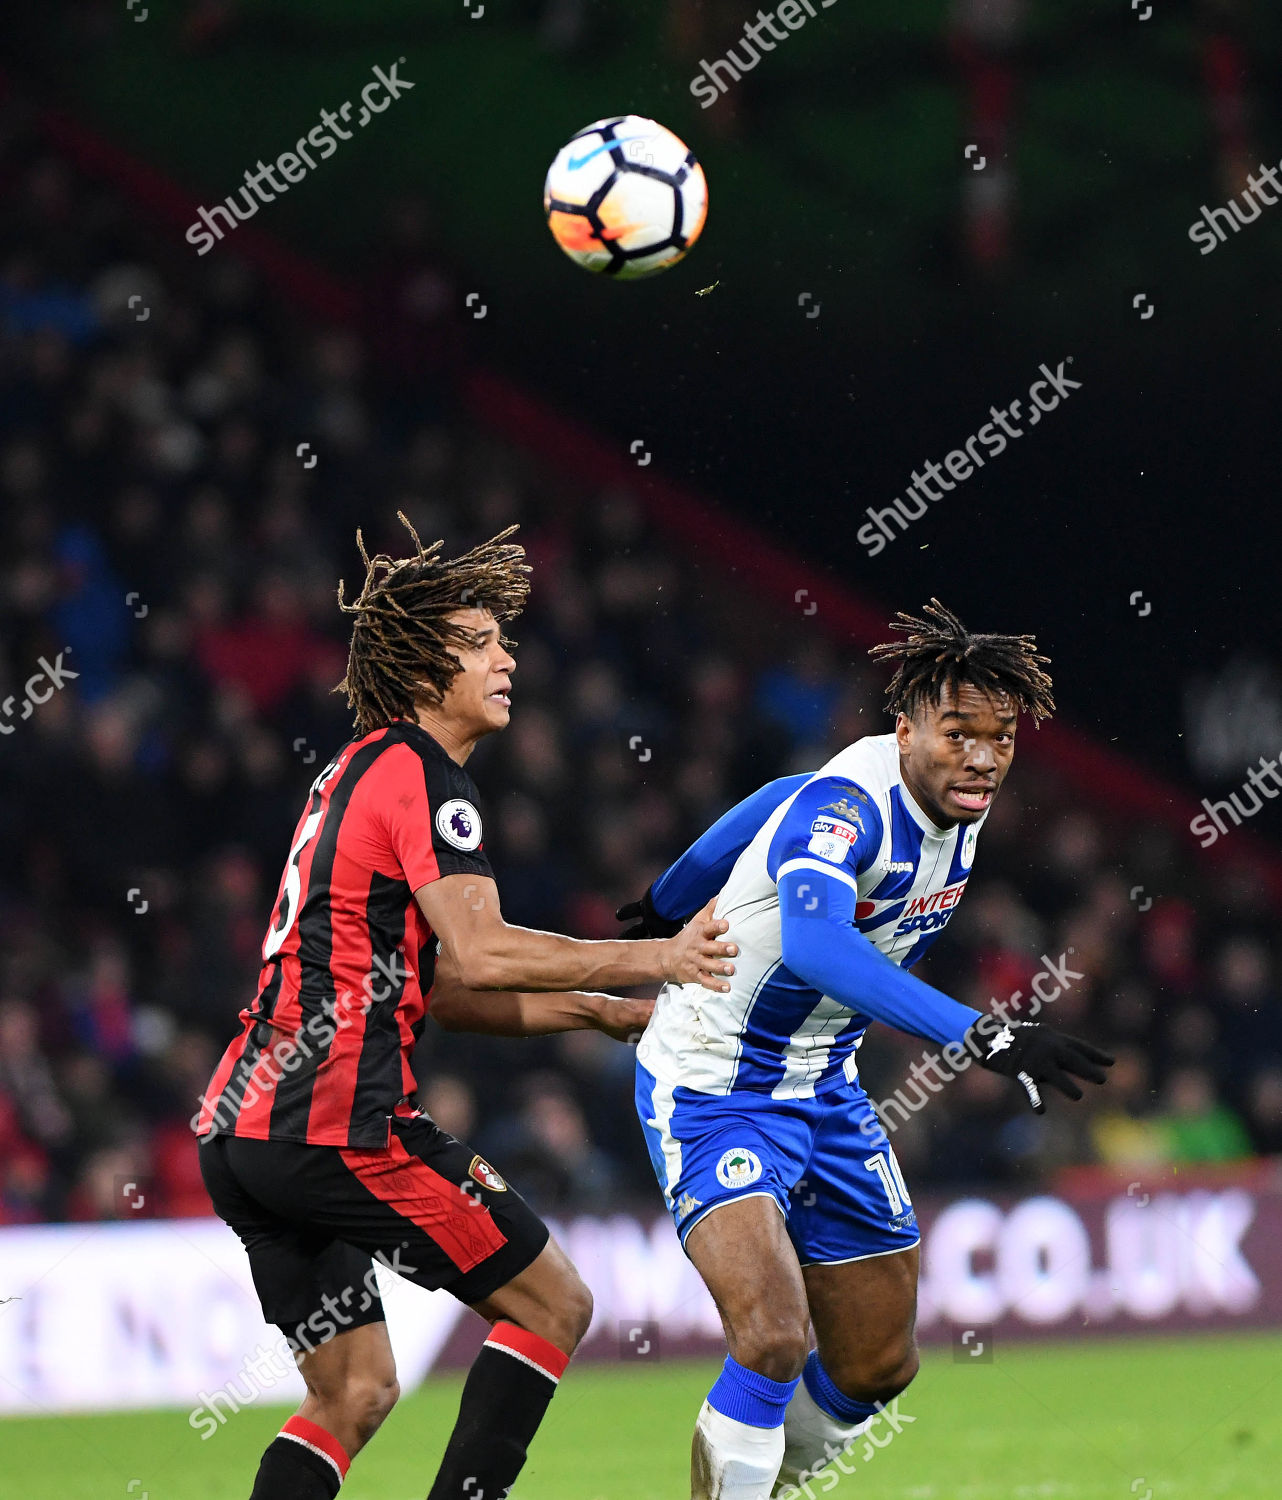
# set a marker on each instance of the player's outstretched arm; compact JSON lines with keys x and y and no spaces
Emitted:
{"x":822,"y":946}
{"x":454,"y":1007}
{"x":698,"y":875}
{"x":490,"y":954}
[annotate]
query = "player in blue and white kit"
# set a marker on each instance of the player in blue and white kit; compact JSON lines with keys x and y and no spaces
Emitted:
{"x":781,"y":1181}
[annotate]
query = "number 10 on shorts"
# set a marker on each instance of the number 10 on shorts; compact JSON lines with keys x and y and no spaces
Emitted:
{"x":892,"y":1179}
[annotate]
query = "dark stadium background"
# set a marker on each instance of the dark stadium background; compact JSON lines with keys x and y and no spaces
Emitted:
{"x":840,"y":172}
{"x":842,"y":175}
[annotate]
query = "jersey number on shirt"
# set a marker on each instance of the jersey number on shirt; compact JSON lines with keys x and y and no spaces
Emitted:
{"x":293,"y":875}
{"x":892,"y":1179}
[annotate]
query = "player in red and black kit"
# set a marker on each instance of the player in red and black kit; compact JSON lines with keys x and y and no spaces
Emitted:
{"x":311,"y":1147}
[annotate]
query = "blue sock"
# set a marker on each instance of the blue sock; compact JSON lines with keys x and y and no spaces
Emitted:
{"x":745,"y":1396}
{"x":823,"y":1391}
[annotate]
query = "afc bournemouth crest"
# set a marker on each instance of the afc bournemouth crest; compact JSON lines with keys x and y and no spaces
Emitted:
{"x":485,"y":1174}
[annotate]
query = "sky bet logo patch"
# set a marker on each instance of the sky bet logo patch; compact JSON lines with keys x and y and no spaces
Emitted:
{"x":831,"y":839}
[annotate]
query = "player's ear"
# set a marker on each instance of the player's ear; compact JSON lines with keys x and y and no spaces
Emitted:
{"x":903,"y":731}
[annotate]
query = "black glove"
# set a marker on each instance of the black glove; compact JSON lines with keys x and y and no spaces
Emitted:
{"x":649,"y":924}
{"x":1035,"y":1055}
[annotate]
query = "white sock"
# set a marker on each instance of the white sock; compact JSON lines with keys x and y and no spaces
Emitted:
{"x":731,"y":1460}
{"x":812,"y":1439}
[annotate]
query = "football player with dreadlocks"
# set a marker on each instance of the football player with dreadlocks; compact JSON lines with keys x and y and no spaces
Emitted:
{"x":779,"y":1176}
{"x":311,"y":1147}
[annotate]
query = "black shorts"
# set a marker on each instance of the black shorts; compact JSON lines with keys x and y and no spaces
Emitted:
{"x":312,"y":1218}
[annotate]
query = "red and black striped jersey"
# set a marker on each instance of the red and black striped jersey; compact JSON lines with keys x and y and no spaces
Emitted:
{"x":324,"y":1054}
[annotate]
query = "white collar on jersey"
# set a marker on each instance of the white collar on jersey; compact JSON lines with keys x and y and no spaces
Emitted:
{"x":928,"y":826}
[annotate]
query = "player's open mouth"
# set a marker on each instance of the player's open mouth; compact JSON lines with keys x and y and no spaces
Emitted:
{"x":972,"y":798}
{"x":502,"y":698}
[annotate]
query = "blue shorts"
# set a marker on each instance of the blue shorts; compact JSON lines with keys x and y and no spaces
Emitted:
{"x":826,"y":1162}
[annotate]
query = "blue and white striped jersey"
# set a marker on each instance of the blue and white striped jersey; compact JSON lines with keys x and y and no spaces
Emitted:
{"x":854,"y":820}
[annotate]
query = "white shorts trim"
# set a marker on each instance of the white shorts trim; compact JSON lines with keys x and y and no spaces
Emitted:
{"x":725,"y":1203}
{"x":873,"y":1255}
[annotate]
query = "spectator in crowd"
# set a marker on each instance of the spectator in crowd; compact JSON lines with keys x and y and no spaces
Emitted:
{"x":1197,"y":1126}
{"x":546,"y":1147}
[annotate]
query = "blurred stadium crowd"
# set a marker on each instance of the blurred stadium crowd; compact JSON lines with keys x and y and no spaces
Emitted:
{"x":165,"y":533}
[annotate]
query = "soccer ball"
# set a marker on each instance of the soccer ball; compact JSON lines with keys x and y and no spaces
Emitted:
{"x":625,"y":197}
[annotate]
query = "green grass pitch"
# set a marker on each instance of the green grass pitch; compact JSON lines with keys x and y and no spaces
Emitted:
{"x":1158,"y":1419}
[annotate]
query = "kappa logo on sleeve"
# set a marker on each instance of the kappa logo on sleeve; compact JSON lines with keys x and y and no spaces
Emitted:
{"x":843,"y":807}
{"x":832,"y":839}
{"x":459,"y":823}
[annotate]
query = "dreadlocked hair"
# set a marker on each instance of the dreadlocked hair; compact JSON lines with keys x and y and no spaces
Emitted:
{"x":402,"y":631}
{"x":940,"y":653}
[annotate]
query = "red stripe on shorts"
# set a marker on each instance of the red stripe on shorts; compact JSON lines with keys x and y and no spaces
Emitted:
{"x":445,"y":1211}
